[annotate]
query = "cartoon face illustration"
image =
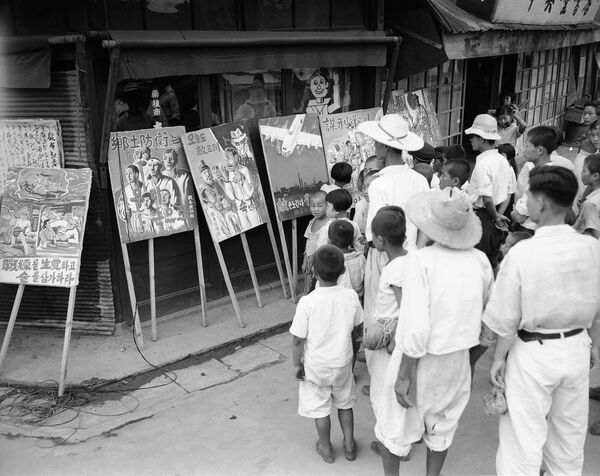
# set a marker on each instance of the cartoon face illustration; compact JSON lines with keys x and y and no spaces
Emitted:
{"x":319,"y":85}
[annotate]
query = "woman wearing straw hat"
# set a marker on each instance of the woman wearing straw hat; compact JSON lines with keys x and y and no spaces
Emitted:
{"x":445,"y":290}
{"x":490,"y":184}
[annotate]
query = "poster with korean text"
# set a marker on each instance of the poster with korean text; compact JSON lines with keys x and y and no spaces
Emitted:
{"x":151,"y":183}
{"x":343,"y":142}
{"x":419,"y":111}
{"x":42,"y":222}
{"x":226,"y":178}
{"x":29,"y":143}
{"x":295,"y":161}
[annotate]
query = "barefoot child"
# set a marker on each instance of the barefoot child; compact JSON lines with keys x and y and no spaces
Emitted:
{"x":322,"y":352}
{"x":338,"y":203}
{"x":316,"y":235}
{"x":445,"y":289}
{"x":341,"y":174}
{"x":588,"y":220}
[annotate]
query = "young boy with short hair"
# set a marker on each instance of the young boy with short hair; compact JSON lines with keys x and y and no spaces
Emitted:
{"x":322,"y":352}
{"x":339,"y":202}
{"x":588,"y":219}
{"x":455,"y":173}
{"x":361,"y":210}
{"x":315,"y":234}
{"x":341,"y":174}
{"x":341,"y":235}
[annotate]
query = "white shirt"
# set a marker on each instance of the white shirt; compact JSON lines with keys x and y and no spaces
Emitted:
{"x":354,"y":275}
{"x":325,"y":318}
{"x":547,"y":283}
{"x":392,"y":274}
{"x":523,"y":180}
{"x":435,"y":182}
{"x":326,"y":187}
{"x":395,"y":185}
{"x":443,"y":297}
{"x":491,"y":177}
{"x":315,"y":239}
{"x":360,"y":214}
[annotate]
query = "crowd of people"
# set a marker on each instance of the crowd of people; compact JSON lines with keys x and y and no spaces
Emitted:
{"x":441,"y":261}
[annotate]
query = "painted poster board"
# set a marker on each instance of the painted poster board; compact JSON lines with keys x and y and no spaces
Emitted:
{"x":226,"y":178}
{"x":342,"y":141}
{"x":42,"y":222}
{"x":418,"y":110}
{"x":295,"y":161}
{"x":545,"y":12}
{"x":151,"y":183}
{"x":30,"y":143}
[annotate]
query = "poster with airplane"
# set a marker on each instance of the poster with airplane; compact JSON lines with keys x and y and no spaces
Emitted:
{"x":295,"y":160}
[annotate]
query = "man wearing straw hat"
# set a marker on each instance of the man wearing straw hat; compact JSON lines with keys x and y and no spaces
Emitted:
{"x":394,"y":185}
{"x":490,"y":184}
{"x":445,"y":290}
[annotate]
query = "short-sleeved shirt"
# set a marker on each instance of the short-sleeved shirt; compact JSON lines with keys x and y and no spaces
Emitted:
{"x":326,"y":318}
{"x":354,"y":275}
{"x":589,"y":214}
{"x":392,"y":274}
{"x":360,"y":214}
{"x":491,"y":177}
{"x":509,"y":134}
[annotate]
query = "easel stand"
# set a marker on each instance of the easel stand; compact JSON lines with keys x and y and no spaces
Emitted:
{"x":67,"y":339}
{"x":291,"y":274}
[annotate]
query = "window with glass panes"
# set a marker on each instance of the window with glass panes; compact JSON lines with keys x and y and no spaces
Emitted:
{"x":446,"y":84}
{"x":541,"y":86}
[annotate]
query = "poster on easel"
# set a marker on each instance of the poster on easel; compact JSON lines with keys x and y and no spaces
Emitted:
{"x":42,"y":222}
{"x":343,"y":142}
{"x":29,"y":143}
{"x":296,"y":167}
{"x":153,"y":196}
{"x":418,"y":110}
{"x":230,"y":191}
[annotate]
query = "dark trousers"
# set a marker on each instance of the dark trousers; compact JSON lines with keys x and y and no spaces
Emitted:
{"x":491,"y":237}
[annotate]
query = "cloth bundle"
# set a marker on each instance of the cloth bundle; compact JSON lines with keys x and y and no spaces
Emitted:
{"x":494,"y":402}
{"x":380,"y":335}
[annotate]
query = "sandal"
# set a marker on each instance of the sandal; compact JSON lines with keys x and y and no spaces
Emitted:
{"x":351,"y":455}
{"x":328,"y":456}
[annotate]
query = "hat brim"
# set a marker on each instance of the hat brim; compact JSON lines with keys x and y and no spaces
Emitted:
{"x":486,"y":135}
{"x":409,"y":143}
{"x":418,"y":211}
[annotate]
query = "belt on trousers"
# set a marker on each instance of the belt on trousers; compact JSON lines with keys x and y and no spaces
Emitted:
{"x":527,"y":336}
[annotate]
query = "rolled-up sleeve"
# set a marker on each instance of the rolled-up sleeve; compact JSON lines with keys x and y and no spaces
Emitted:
{"x":503,"y":311}
{"x":412,"y":333}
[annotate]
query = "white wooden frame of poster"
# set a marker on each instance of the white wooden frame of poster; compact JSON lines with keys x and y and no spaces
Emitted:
{"x":129,"y":278}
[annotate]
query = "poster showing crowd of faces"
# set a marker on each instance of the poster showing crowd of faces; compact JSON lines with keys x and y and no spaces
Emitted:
{"x":294,"y":156}
{"x":419,"y":111}
{"x":151,"y":183}
{"x":42,"y":222}
{"x":343,"y":142}
{"x":226,"y":178}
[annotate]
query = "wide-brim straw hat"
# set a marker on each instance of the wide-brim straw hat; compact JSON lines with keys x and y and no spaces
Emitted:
{"x":484,"y":126}
{"x":445,"y":216}
{"x":392,"y":130}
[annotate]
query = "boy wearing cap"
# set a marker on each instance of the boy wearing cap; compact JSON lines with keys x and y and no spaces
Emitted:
{"x":446,"y":287}
{"x":544,"y":299}
{"x":490,"y":184}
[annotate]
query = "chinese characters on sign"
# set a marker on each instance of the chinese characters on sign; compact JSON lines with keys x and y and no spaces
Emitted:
{"x":42,"y":222}
{"x":151,"y":183}
{"x":545,"y":12}
{"x":29,"y":143}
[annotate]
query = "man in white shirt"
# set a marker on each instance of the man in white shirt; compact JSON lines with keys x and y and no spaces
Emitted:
{"x":546,"y":294}
{"x":490,"y":186}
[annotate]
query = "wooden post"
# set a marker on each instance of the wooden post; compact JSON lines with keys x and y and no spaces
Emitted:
{"x":67,"y":341}
{"x":201,"y":281}
{"x":236,"y":306}
{"x":152,"y":289}
{"x":295,"y":252}
{"x":286,"y":259}
{"x":134,"y":310}
{"x":11,"y":323}
{"x":251,"y":269}
{"x":277,"y":258}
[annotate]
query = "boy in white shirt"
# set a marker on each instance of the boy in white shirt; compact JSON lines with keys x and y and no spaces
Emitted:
{"x":338,"y":202}
{"x":341,"y":175}
{"x":445,"y":290}
{"x":322,"y":352}
{"x":455,"y":173}
{"x":341,"y":235}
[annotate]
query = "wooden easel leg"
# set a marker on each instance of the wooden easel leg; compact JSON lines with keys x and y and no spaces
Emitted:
{"x":236,"y":306}
{"x":67,"y":342}
{"x":286,"y":259}
{"x":251,"y":269}
{"x":134,"y":310}
{"x":277,"y":259}
{"x":11,"y":323}
{"x":152,"y":289}
{"x":295,"y":252}
{"x":201,"y":281}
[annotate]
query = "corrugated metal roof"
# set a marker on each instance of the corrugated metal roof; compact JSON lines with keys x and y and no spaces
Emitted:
{"x":456,"y":20}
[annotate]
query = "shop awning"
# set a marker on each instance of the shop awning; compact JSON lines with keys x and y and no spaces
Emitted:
{"x":150,"y":54}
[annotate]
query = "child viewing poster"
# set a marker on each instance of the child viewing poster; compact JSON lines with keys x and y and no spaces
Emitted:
{"x":295,"y":161}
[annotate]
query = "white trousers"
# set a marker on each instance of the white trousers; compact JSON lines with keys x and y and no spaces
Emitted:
{"x":547,"y":397}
